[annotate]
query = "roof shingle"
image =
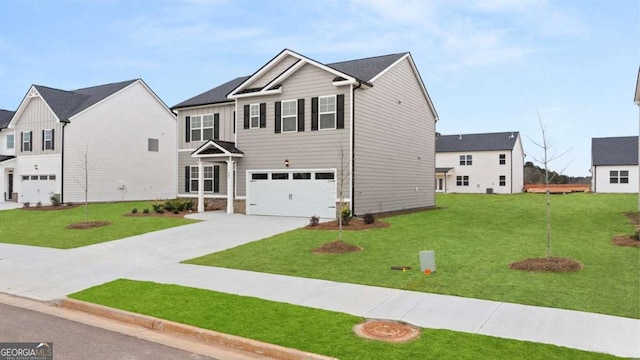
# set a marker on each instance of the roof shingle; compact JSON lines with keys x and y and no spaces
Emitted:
{"x":477,"y":142}
{"x":213,"y":96}
{"x":614,"y":151}
{"x":5,"y":118}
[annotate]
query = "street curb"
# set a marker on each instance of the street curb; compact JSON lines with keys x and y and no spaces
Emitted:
{"x":166,"y":326}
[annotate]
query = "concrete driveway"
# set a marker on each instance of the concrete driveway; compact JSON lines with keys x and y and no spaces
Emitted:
{"x":47,"y":274}
{"x":9,"y":205}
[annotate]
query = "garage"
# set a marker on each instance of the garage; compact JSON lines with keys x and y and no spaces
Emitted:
{"x":37,"y":188}
{"x":302,"y":193}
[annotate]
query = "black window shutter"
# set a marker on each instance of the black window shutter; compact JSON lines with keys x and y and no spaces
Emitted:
{"x":233,"y":124}
{"x":300,"y":114}
{"x":53,"y":138}
{"x":42,"y":139}
{"x":340,"y":113}
{"x":187,"y":179}
{"x":30,"y":140}
{"x":216,"y":179}
{"x":188,"y":127}
{"x":263,"y":115}
{"x":278,"y":117}
{"x":22,"y":141}
{"x":314,"y":113}
{"x":216,"y":126}
{"x":246,"y":116}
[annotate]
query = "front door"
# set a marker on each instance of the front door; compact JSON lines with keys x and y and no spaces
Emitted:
{"x":10,"y":195}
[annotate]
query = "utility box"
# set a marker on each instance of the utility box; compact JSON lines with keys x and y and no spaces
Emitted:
{"x":427,"y":260}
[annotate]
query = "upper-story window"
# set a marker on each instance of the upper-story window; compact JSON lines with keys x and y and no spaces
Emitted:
{"x":254,"y":116}
{"x":10,"y":141}
{"x":289,"y":116}
{"x":466,"y":160}
{"x":47,"y":139}
{"x":618,"y":177}
{"x":201,"y":127}
{"x":503,"y":159}
{"x":26,"y":141}
{"x":327,"y":112}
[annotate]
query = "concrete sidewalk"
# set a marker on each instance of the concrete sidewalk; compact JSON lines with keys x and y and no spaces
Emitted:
{"x":48,"y":274}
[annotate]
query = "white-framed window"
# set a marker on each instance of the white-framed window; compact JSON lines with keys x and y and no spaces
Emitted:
{"x":289,"y":116}
{"x":201,"y":127}
{"x":327,"y":112}
{"x":10,"y":141}
{"x":47,"y":139}
{"x":619,"y":176}
{"x":254,"y":116}
{"x":502,"y":159}
{"x":503,"y":180}
{"x":26,"y":141}
{"x":208,"y":178}
{"x":466,"y":160}
{"x":462,"y":180}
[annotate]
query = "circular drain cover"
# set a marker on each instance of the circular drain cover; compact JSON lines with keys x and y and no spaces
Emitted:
{"x":386,"y":331}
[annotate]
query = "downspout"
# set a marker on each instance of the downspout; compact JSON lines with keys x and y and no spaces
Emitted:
{"x":64,"y":124}
{"x":353,"y":147}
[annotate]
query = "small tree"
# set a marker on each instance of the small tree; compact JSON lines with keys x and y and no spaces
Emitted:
{"x":343,"y":173}
{"x":86,"y":165}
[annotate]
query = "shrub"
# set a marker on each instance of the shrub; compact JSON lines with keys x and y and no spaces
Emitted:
{"x":160,"y":211}
{"x":178,"y":204}
{"x":157,"y":205}
{"x":346,"y":215}
{"x":145,"y":211}
{"x":636,"y":236}
{"x":55,"y":200}
{"x":176,"y":212}
{"x":369,"y":218}
{"x":27,"y":204}
{"x":314,"y":220}
{"x":134,"y":211}
{"x":39,"y":204}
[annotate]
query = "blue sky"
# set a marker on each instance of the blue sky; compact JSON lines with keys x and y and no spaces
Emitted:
{"x":488,"y":65}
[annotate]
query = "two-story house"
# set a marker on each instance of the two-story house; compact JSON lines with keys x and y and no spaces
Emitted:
{"x":119,"y":139}
{"x":297,"y":136}
{"x":480,"y":163}
{"x":614,"y":164}
{"x":7,"y":155}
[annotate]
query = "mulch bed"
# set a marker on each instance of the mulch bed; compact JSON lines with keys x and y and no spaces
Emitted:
{"x":88,"y":225}
{"x":625,"y":240}
{"x":336,"y":247}
{"x":154,"y":214}
{"x":354,"y":224}
{"x":553,"y":264}
{"x":51,"y":207}
{"x":634,"y":217}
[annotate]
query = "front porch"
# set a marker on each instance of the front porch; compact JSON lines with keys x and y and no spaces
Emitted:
{"x":7,"y":181}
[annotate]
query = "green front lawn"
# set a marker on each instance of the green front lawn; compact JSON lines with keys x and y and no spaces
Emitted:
{"x":47,"y":228}
{"x":307,"y":329}
{"x":475,"y":237}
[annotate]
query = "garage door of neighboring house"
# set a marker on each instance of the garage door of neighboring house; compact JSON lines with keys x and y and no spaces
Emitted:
{"x":292,"y":193}
{"x":37,"y":188}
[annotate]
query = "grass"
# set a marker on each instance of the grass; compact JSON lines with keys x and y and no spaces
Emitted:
{"x":475,"y":237}
{"x":47,"y":228}
{"x":307,"y":329}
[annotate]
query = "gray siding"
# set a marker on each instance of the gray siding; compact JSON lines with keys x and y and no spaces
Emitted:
{"x":274,"y":72}
{"x":226,"y":123}
{"x":394,"y":144}
{"x":185,"y":159}
{"x":264,"y":149}
{"x":37,"y":117}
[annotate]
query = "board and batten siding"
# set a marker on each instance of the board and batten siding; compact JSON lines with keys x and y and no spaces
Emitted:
{"x":266,"y":150}
{"x":226,"y":123}
{"x":394,"y":144}
{"x":37,"y":117}
{"x":274,"y":72}
{"x":114,"y":135}
{"x":185,"y":159}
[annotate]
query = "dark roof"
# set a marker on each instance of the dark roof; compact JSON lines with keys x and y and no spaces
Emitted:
{"x":367,"y":68}
{"x":614,"y":151}
{"x":227,"y":145}
{"x":6,"y":157}
{"x":213,"y":96}
{"x":442,"y":170}
{"x":5,"y":118}
{"x":476,"y":142}
{"x":65,"y":104}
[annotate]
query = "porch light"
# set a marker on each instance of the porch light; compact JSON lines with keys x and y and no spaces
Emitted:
{"x":286,"y":163}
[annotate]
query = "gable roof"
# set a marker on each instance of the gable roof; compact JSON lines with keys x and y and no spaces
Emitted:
{"x":213,"y":96}
{"x":5,"y":118}
{"x":366,"y":69}
{"x":637,"y":97}
{"x":614,"y":151}
{"x":477,"y":142}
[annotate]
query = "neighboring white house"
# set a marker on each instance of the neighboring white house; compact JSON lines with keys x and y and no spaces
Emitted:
{"x":614,"y":164}
{"x":480,"y":163}
{"x":125,"y":132}
{"x":7,"y":155}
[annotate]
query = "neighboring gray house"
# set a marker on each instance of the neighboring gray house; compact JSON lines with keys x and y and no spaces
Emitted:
{"x":614,"y":164}
{"x":480,"y":163}
{"x":289,"y":138}
{"x":125,"y":131}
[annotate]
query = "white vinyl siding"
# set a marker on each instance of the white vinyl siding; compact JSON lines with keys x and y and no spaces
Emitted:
{"x":615,"y":179}
{"x":327,"y":112}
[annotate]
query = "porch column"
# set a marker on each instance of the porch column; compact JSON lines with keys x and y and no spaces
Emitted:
{"x":200,"y":186}
{"x":230,"y":186}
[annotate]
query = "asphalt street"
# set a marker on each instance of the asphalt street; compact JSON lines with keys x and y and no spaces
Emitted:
{"x":73,"y":340}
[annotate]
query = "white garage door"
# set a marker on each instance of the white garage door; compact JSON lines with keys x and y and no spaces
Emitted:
{"x":37,"y":188}
{"x":292,"y":193}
